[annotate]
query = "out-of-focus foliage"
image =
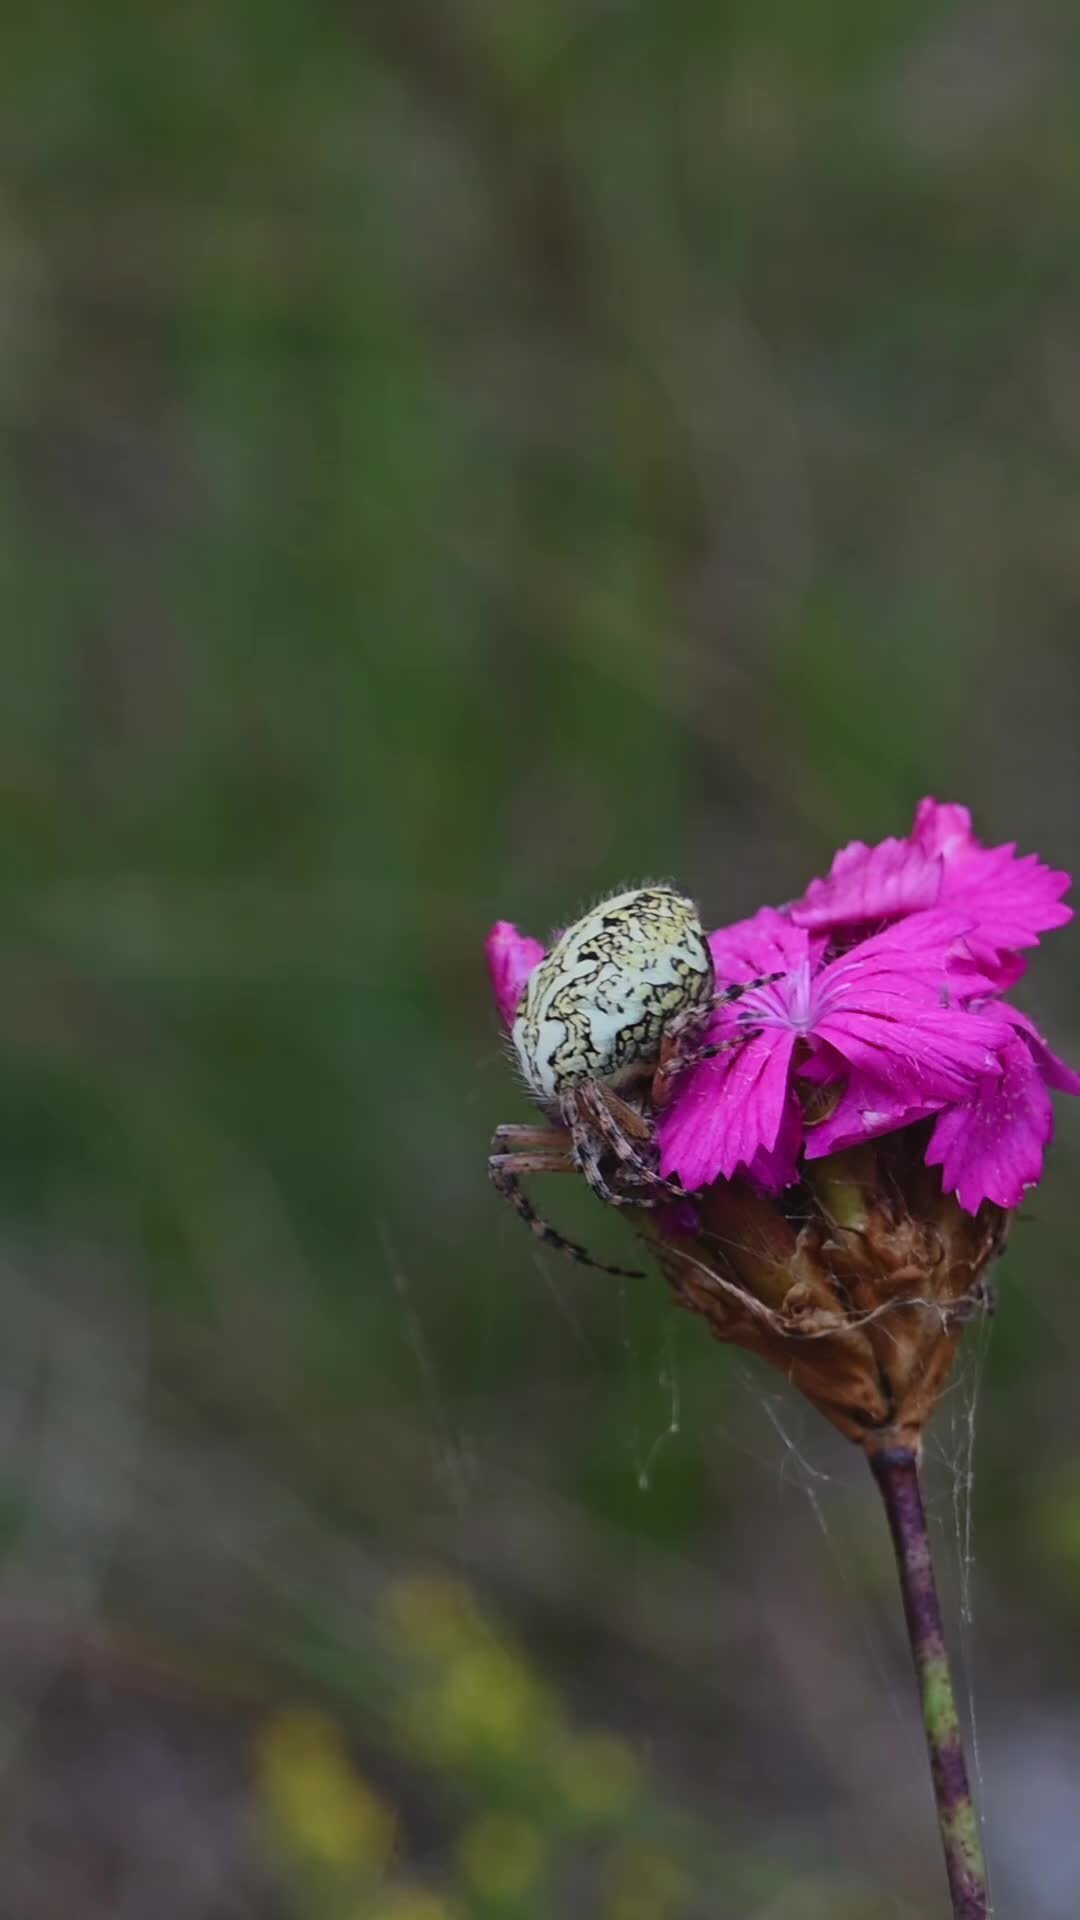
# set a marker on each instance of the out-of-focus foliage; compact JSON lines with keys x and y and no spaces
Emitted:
{"x":458,"y":457}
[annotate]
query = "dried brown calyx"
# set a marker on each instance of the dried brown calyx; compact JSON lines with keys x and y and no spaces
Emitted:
{"x":856,"y":1284}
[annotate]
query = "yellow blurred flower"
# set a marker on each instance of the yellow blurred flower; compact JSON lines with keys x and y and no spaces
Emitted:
{"x":408,"y":1903}
{"x":490,"y":1695}
{"x":598,"y":1775}
{"x":486,"y":1697}
{"x":644,"y":1885}
{"x":501,"y":1854}
{"x":322,"y":1806}
{"x":431,"y":1615}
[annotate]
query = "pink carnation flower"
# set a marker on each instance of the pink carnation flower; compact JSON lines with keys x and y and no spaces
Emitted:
{"x":991,"y":1145}
{"x":511,"y":957}
{"x":893,"y":970}
{"x":878,"y":1021}
{"x":1010,"y":900}
{"x":892,"y":1021}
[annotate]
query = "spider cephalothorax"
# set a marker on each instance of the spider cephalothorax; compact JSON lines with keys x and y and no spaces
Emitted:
{"x":609,"y":1014}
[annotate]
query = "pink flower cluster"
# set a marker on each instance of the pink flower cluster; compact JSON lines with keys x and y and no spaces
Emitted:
{"x":893,"y":970}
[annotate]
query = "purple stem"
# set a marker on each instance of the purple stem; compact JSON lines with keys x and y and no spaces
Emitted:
{"x":896,"y":1470}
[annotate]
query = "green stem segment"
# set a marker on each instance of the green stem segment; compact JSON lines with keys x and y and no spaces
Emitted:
{"x":896,"y":1470}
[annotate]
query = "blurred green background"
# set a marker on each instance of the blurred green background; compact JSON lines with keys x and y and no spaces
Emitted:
{"x":459,"y":457}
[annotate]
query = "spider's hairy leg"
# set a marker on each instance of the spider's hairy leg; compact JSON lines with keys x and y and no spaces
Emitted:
{"x":675,"y":1055}
{"x":694,"y":1020}
{"x":506,"y":1169}
{"x":599,"y":1118}
{"x":631,"y":1120}
{"x":680,"y":1061}
{"x":587,"y":1152}
{"x":555,"y":1138}
{"x":725,"y":995}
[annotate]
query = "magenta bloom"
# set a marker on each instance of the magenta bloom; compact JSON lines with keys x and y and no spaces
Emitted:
{"x":1010,"y":900}
{"x":903,"y":1025}
{"x":991,"y":1144}
{"x":889,"y":1011}
{"x":511,"y":957}
{"x":875,"y":1021}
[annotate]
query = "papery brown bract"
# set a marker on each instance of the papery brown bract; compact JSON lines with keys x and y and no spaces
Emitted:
{"x":856,"y":1285}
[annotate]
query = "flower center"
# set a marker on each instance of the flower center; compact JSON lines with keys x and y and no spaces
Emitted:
{"x":790,"y":1002}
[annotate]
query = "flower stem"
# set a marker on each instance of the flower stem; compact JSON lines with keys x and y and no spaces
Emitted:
{"x":896,"y":1470}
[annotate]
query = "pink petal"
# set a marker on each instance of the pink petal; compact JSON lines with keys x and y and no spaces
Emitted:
{"x":511,"y":957}
{"x":977,"y":967}
{"x":922,"y":948}
{"x":1053,"y":1069}
{"x":887,"y":1008}
{"x":990,"y":1147}
{"x":867,"y":1110}
{"x":773,"y":1169}
{"x":870,"y":883}
{"x":766,"y":943}
{"x":676,"y":1217}
{"x":1011,"y":901}
{"x":943,"y":827}
{"x":918,"y":1058}
{"x":727,"y":1111}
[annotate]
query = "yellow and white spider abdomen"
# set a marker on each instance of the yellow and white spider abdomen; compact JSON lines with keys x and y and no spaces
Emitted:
{"x":597,"y":1005}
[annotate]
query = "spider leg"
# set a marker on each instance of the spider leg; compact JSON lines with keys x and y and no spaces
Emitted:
{"x":631,"y":1120}
{"x":589,"y":1165}
{"x":599,"y":1111}
{"x":505,"y":1170}
{"x":682,"y":1060}
{"x":694,"y":1020}
{"x":587,"y":1151}
{"x":514,"y":1136}
{"x":724,"y":995}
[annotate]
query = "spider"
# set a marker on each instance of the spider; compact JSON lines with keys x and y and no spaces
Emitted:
{"x":607,"y":1017}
